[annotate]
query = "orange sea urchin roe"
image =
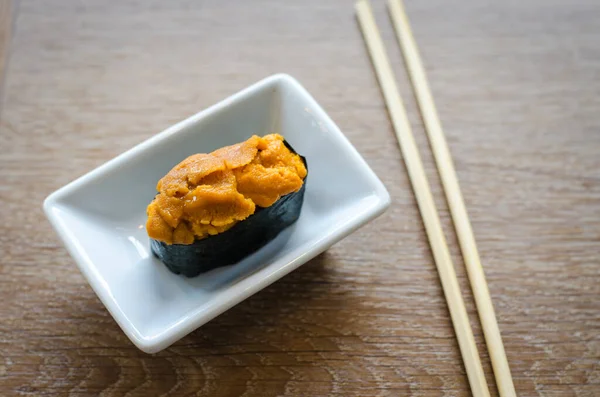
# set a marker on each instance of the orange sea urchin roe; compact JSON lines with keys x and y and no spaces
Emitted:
{"x":207,"y":194}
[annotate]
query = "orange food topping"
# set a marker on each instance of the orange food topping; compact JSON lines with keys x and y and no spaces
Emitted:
{"x":207,"y":194}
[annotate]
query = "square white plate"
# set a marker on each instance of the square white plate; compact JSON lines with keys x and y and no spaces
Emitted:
{"x":101,"y":216}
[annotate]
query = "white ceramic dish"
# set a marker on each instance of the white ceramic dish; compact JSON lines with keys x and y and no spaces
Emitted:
{"x":101,"y":216}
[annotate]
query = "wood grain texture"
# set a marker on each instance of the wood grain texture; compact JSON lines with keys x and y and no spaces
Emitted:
{"x":517,"y":85}
{"x":6,"y":19}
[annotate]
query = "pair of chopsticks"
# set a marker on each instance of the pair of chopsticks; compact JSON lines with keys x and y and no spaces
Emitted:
{"x":435,"y":234}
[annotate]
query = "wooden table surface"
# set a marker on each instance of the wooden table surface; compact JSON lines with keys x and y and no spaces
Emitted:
{"x":517,"y":85}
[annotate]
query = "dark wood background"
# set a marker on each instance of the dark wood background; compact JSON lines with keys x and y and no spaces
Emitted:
{"x":517,"y":84}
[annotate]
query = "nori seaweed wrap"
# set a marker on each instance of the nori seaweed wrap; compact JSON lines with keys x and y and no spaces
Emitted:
{"x":215,"y":209}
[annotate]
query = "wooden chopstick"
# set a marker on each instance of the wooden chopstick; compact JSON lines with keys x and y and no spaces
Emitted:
{"x":455,"y":200}
{"x":420,"y":185}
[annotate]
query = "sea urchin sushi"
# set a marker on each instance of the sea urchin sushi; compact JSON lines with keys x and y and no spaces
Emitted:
{"x":214,"y":209}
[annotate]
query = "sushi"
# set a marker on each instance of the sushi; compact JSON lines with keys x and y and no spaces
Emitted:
{"x":215,"y":209}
